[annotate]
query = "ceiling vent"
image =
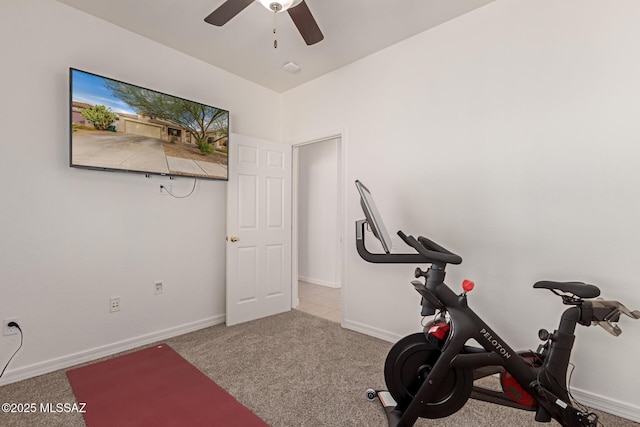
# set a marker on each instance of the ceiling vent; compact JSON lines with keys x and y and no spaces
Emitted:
{"x":291,"y":67}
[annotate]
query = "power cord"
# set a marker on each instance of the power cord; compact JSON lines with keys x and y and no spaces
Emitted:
{"x":591,"y":416}
{"x":13,"y":325}
{"x":179,"y":197}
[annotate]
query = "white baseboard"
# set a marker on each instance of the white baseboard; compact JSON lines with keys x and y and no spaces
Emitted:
{"x":369,"y":330}
{"x":63,"y":362}
{"x":319,"y":282}
{"x":606,"y":404}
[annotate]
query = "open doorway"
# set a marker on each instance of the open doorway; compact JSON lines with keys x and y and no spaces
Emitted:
{"x":317,"y":227}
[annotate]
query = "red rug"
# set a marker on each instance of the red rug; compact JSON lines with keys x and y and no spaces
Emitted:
{"x":155,"y":387}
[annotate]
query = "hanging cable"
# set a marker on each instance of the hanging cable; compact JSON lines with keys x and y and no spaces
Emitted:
{"x":14,"y":325}
{"x":179,"y":197}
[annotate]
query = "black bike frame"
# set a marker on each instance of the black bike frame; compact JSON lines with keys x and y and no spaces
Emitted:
{"x":546,"y":383}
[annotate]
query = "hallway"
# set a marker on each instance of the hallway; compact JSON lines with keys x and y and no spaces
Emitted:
{"x":321,"y":301}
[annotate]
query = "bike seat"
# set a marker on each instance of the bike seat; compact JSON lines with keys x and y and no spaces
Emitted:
{"x":579,"y":289}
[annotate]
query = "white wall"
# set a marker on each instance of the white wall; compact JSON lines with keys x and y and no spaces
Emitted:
{"x":318,"y":213}
{"x":71,"y":238}
{"x":511,"y":136}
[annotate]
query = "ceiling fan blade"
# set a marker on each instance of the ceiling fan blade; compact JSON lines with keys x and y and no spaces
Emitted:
{"x":226,"y":11}
{"x":307,"y":25}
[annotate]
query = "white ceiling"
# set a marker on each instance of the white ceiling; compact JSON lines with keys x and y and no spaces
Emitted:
{"x":352,"y":29}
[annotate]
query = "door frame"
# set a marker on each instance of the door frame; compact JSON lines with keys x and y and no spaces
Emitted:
{"x":341,"y":136}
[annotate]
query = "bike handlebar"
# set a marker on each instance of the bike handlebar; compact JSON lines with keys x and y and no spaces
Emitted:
{"x":430,"y":249}
{"x":433,"y":253}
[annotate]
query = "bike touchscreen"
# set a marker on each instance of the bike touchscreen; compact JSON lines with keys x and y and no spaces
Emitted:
{"x":373,"y":217}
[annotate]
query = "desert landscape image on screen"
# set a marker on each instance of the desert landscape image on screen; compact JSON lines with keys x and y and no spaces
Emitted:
{"x":120,"y":126}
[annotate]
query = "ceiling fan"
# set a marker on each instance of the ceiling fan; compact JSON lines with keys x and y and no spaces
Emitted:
{"x":297,"y":9}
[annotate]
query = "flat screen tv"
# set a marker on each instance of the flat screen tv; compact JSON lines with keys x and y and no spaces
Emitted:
{"x":118,"y":126}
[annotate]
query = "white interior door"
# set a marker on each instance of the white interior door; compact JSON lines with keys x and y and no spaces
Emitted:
{"x":258,"y":229}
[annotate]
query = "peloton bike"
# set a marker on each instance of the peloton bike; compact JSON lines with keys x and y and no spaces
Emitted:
{"x":431,"y":374}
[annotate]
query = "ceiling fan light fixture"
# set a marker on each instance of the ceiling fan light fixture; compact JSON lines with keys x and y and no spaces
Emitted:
{"x":279,"y":5}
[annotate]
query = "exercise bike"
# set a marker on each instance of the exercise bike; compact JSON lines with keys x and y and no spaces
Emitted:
{"x":431,"y":374}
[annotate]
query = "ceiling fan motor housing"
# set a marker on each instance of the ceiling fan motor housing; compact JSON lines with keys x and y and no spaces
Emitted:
{"x":279,"y":6}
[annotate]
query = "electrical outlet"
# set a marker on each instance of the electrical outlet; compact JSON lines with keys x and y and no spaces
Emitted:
{"x":158,"y":287}
{"x":9,"y":330}
{"x":114,"y":304}
{"x":165,"y":188}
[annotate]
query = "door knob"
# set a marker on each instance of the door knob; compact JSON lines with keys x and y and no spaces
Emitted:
{"x":234,"y":239}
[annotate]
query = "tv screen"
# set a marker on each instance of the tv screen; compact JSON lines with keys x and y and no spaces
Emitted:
{"x":117,"y":126}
